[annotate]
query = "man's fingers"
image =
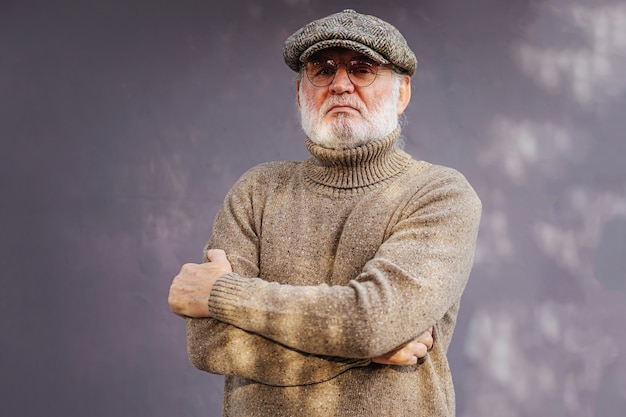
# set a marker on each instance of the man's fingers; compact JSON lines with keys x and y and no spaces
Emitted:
{"x":215,"y":255}
{"x":191,"y":288}
{"x":409,"y":354}
{"x":219,"y":259}
{"x":411,"y":361}
{"x":419,"y":349}
{"x":412,"y":351}
{"x":426,"y":338}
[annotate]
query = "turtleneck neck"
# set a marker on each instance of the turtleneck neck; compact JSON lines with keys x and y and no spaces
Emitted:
{"x":356,"y":168}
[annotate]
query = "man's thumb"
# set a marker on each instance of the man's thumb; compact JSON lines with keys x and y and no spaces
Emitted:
{"x":215,"y":255}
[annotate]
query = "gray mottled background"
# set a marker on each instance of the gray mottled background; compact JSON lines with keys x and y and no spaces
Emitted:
{"x":123,"y":124}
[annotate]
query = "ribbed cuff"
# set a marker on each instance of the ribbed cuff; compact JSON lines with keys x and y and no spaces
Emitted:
{"x":228,"y":293}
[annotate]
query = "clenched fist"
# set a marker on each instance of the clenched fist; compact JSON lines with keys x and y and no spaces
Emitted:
{"x":191,"y":288}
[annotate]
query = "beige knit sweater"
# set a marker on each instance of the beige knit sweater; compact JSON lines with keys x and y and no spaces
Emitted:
{"x":337,"y":259}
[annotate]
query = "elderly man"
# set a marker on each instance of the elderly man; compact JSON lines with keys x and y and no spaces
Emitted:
{"x":326,"y":280}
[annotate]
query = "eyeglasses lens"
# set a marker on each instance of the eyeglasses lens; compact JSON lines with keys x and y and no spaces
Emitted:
{"x":322,"y":73}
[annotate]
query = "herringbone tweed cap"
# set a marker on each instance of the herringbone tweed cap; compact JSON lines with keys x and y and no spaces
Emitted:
{"x":366,"y":34}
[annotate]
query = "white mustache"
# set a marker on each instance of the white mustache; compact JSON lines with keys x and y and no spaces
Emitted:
{"x":341,"y":101}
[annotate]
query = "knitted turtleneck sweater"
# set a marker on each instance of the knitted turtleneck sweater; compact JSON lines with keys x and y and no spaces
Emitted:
{"x":337,"y":259}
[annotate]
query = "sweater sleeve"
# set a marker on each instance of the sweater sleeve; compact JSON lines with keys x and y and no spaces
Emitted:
{"x":218,"y":347}
{"x":416,"y":276}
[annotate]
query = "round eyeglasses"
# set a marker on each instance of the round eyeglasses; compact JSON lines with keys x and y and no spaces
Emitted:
{"x":360,"y":72}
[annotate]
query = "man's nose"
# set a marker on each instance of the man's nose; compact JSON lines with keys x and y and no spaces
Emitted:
{"x":341,"y":83}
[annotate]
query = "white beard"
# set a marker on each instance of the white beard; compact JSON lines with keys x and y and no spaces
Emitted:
{"x":344,"y":132}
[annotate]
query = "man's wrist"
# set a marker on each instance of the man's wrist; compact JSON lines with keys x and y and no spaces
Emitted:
{"x":208,"y":300}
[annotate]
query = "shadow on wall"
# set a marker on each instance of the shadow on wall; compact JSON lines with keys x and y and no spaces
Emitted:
{"x":552,"y":249}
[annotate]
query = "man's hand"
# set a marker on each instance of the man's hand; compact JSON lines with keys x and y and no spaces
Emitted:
{"x":410,"y":353}
{"x":190,"y":290}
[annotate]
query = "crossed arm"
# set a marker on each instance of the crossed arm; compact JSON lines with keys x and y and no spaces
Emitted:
{"x":433,"y":245}
{"x":191,"y":288}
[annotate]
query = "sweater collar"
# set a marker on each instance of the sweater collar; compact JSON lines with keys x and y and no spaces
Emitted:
{"x":363,"y":166}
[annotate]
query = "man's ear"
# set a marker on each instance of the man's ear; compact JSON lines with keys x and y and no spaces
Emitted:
{"x":405,"y":94}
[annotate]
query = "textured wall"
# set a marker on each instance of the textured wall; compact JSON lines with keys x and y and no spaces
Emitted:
{"x":123,"y":124}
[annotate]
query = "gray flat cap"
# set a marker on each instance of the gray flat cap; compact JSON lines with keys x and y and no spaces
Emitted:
{"x":363,"y":33}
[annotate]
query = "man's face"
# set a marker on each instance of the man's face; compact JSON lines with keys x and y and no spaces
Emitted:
{"x":343,"y":115}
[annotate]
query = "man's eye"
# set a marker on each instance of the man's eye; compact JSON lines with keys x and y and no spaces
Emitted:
{"x":362,"y":68}
{"x":323,"y":70}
